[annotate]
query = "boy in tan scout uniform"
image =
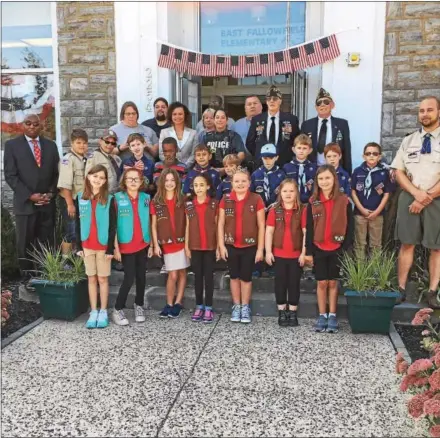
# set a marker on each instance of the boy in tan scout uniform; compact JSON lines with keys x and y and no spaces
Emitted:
{"x":70,"y":183}
{"x":104,"y":156}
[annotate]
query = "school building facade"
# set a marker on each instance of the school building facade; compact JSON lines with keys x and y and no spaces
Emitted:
{"x":76,"y":63}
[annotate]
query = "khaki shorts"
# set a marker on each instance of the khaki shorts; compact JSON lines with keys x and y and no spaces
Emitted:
{"x":96,"y":263}
{"x":415,"y":229}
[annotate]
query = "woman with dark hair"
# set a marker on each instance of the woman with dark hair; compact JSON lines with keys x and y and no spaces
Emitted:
{"x":223,"y":141}
{"x":128,"y":124}
{"x":180,"y":119}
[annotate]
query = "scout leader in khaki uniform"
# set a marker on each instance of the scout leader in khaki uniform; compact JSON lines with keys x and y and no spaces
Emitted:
{"x":70,"y":183}
{"x":417,"y":165}
{"x":104,"y":156}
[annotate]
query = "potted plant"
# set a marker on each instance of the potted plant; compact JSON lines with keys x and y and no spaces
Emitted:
{"x":61,"y":283}
{"x":370,"y":291}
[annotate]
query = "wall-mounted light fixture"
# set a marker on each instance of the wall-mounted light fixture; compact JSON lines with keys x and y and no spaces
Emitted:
{"x":353,"y":59}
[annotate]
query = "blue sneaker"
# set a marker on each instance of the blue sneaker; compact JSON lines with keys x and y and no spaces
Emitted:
{"x":102,"y":319}
{"x":93,"y":319}
{"x":165,"y":311}
{"x":175,"y":311}
{"x":333,"y":324}
{"x":246,"y":314}
{"x":321,"y":324}
{"x":256,"y":274}
{"x":236,"y":313}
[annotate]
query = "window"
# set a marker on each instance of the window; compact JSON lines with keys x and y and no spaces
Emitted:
{"x":238,"y":28}
{"x":27,"y":67}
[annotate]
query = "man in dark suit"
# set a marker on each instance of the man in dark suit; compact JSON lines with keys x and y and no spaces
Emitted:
{"x":31,"y":170}
{"x":326,"y":129}
{"x":273,"y":127}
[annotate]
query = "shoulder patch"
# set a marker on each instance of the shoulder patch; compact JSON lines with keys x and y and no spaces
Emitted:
{"x":65,"y":161}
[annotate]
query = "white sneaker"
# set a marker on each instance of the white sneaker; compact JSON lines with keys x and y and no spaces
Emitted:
{"x":119,"y":318}
{"x":163,"y":270}
{"x":139,"y":313}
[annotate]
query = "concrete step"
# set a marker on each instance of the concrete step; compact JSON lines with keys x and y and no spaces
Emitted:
{"x":263,"y":303}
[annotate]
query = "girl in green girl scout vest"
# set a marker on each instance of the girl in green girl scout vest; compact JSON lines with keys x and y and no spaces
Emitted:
{"x":95,"y":237}
{"x":132,"y":246}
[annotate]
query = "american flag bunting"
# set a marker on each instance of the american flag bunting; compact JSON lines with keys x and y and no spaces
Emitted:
{"x":181,"y":60}
{"x":330,"y":48}
{"x":208,"y":67}
{"x":223,"y":66}
{"x":313,"y":54}
{"x":166,"y":57}
{"x":267,"y":64}
{"x":252,"y":65}
{"x":238,"y":67}
{"x":298,"y":59}
{"x":194,"y":63}
{"x":282,"y":62}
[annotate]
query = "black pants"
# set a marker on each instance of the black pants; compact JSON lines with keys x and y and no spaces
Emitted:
{"x":287,"y":281}
{"x":33,"y":228}
{"x":135,"y":266}
{"x":241,"y":262}
{"x":202,"y":263}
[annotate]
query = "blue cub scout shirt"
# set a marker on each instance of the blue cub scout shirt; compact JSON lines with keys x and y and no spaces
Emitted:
{"x":197,"y":170}
{"x":224,"y":188}
{"x":148,"y":167}
{"x":371,"y":196}
{"x":344,"y":181}
{"x":275,"y":176}
{"x":305,"y":186}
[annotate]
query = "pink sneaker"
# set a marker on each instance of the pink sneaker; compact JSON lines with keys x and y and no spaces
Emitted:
{"x":208,"y":317}
{"x":197,"y":315}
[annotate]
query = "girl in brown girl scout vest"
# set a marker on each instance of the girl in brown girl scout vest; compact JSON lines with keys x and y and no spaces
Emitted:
{"x":241,"y":240}
{"x":285,"y":246}
{"x":168,"y":224}
{"x":201,"y":243}
{"x":329,"y":229}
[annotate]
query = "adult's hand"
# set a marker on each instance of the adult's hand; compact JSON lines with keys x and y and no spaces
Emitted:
{"x":416,"y":207}
{"x":423,"y":197}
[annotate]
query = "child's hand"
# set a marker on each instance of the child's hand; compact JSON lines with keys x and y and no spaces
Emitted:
{"x":270,"y":258}
{"x":373,"y":215}
{"x":108,"y":256}
{"x":139,"y":165}
{"x":217,"y":255}
{"x":117,"y":255}
{"x":80,"y":254}
{"x":308,"y":260}
{"x":187,"y":252}
{"x":302,"y":260}
{"x":71,"y":210}
{"x":365,"y":212}
{"x":224,"y":253}
{"x":157,"y":251}
{"x":259,"y":256}
{"x":150,"y":252}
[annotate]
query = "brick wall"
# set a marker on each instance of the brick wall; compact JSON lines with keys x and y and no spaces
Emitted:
{"x":87,"y":66}
{"x":411,"y":66}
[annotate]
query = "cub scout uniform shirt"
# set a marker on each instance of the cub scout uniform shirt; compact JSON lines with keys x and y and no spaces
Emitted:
{"x":100,"y":157}
{"x":422,"y":169}
{"x":72,"y":169}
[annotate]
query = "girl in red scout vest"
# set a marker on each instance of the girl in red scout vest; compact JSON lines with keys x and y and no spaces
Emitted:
{"x":329,"y":231}
{"x":168,"y":231}
{"x":241,"y":240}
{"x":285,"y":246}
{"x":95,"y":238}
{"x":133,"y":232}
{"x":201,"y":243}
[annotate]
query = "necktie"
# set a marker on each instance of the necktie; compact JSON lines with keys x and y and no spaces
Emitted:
{"x":272,"y":131}
{"x":426,"y":147}
{"x":266,"y":184}
{"x":322,"y":136}
{"x":369,"y":181}
{"x":115,"y":166}
{"x":37,"y":152}
{"x":301,"y":177}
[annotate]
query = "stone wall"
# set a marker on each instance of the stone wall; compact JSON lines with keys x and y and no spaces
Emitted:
{"x":411,"y":67}
{"x":87,"y":68}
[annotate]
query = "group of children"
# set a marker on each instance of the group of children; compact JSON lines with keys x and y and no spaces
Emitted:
{"x":288,"y":217}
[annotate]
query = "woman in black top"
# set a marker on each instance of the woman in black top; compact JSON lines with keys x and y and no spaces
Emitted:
{"x":223,"y":141}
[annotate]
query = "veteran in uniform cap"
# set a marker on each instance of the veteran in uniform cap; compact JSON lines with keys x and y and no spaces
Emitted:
{"x":325,"y":129}
{"x":273,"y":127}
{"x":417,"y":165}
{"x":103,"y":155}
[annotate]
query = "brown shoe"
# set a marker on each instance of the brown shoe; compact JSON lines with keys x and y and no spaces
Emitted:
{"x":433,"y":301}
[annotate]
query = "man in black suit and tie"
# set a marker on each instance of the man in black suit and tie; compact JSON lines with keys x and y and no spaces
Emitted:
{"x":273,"y":127}
{"x":31,"y":170}
{"x":326,"y":129}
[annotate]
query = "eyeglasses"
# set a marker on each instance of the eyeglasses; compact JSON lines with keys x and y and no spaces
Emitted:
{"x":34,"y":124}
{"x":113,"y":143}
{"x":130,"y":114}
{"x":272,"y":99}
{"x":133,"y":180}
{"x":374,"y":154}
{"x":321,"y":102}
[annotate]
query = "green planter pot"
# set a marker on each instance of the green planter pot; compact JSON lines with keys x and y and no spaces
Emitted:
{"x":62,"y":300}
{"x":370,"y":312}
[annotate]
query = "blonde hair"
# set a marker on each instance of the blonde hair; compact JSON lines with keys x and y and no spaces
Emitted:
{"x":242,"y":170}
{"x":231,"y":159}
{"x":303,"y":139}
{"x":279,"y":202}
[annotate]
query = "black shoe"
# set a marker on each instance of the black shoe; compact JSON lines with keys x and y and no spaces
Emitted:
{"x":433,"y":301}
{"x":402,"y":298}
{"x":118,"y":266}
{"x":293,"y":320}
{"x":283,"y":318}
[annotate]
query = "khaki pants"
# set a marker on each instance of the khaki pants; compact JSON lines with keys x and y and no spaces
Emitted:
{"x":366,"y":227}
